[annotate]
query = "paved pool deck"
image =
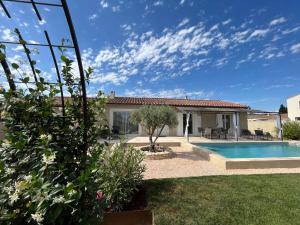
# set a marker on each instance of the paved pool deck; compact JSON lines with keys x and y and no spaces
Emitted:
{"x":188,"y":164}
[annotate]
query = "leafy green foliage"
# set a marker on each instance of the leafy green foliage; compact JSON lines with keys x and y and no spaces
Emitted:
{"x":291,"y":130}
{"x":119,"y":173}
{"x":153,"y":117}
{"x":47,"y":176}
{"x":282,"y":109}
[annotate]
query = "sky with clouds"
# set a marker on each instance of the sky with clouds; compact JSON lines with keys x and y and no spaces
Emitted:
{"x":241,"y":51}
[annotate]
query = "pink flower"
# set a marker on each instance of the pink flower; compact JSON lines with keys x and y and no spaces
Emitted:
{"x":99,"y":195}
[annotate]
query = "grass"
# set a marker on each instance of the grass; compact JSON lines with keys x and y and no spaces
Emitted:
{"x":226,"y":200}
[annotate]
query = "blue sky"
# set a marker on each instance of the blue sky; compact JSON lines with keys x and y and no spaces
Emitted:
{"x":242,"y":51}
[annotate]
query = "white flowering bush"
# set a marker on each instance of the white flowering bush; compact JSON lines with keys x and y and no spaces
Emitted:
{"x":46,"y":174}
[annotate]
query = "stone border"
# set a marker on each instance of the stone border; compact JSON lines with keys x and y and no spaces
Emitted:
{"x":245,"y":163}
{"x":160,"y":155}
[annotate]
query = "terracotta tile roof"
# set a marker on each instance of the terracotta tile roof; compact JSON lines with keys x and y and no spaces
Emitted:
{"x":174,"y":102}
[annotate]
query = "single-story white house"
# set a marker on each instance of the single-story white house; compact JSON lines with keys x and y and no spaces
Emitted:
{"x":293,"y":106}
{"x":200,"y":114}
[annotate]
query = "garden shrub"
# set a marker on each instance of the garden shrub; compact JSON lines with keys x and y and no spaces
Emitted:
{"x":119,"y":173}
{"x":47,"y":176}
{"x":291,"y":130}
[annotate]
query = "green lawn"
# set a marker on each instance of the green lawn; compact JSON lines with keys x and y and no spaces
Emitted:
{"x":230,"y":200}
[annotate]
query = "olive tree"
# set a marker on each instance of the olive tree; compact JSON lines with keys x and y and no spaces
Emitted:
{"x":153,"y":118}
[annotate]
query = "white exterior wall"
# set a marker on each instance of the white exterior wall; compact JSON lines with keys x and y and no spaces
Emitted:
{"x":293,"y":105}
{"x":200,"y":120}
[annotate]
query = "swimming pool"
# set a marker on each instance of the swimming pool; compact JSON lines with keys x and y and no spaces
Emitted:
{"x":252,"y":150}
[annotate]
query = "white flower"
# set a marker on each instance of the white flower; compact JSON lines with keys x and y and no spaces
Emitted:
{"x":72,"y":192}
{"x":38,"y":217}
{"x":10,"y":171}
{"x":14,"y":197}
{"x":28,"y":178}
{"x":8,"y":189}
{"x":3,"y":114}
{"x":59,"y":199}
{"x":5,"y":144}
{"x":46,"y":137}
{"x":49,"y":159}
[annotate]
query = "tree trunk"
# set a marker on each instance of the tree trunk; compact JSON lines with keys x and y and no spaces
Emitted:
{"x":159,"y":133}
{"x":152,"y":144}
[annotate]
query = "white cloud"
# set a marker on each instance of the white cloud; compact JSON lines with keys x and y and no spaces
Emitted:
{"x":7,"y":35}
{"x":226,"y":22}
{"x":181,"y":2}
{"x":275,"y":86}
{"x":295,"y":48}
{"x":183,"y":22}
{"x":278,"y":21}
{"x":109,"y":78}
{"x":158,"y":3}
{"x":42,"y":22}
{"x":116,"y":8}
{"x":103,"y":4}
{"x":47,"y":9}
{"x":93,"y":17}
{"x":259,"y":33}
{"x":126,"y":27}
{"x":292,"y":30}
{"x":172,"y":93}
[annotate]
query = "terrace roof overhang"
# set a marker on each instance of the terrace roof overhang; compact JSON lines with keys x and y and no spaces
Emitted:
{"x":212,"y":109}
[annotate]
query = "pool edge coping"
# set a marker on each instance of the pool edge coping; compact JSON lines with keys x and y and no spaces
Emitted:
{"x":245,"y":163}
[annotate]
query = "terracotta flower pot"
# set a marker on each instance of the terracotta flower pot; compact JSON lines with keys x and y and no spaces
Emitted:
{"x":134,"y":217}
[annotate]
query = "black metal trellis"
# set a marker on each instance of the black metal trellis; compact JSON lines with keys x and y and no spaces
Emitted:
{"x":75,"y":46}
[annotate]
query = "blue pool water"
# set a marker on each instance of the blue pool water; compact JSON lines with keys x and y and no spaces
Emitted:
{"x":253,"y":150}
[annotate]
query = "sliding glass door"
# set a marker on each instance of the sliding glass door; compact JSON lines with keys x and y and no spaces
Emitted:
{"x":121,"y":122}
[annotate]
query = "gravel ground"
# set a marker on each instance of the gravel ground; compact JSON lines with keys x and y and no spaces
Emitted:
{"x":187,"y":164}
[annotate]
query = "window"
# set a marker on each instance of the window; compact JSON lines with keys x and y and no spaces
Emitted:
{"x":297,"y":118}
{"x":226,"y":121}
{"x":121,"y":122}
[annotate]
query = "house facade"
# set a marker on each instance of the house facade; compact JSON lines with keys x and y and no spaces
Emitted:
{"x":200,"y":114}
{"x":293,"y":105}
{"x":267,"y":122}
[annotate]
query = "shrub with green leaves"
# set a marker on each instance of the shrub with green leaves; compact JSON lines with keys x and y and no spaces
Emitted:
{"x":291,"y":130}
{"x":47,"y":176}
{"x":119,"y":173}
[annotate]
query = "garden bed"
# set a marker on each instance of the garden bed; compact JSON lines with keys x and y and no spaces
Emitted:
{"x":161,"y":152}
{"x":134,"y":213}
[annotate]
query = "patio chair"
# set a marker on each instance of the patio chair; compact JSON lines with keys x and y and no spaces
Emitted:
{"x":207,"y":133}
{"x":246,"y":133}
{"x":115,"y":132}
{"x":268,"y":136}
{"x":219,"y":133}
{"x":201,"y":131}
{"x":259,"y":134}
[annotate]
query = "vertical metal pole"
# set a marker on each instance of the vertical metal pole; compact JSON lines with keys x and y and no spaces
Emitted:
{"x":280,"y":122}
{"x":22,"y":42}
{"x":58,"y":75}
{"x":36,"y":10}
{"x":8,"y":74}
{"x":5,"y":9}
{"x":81,"y":72}
{"x":236,"y":127}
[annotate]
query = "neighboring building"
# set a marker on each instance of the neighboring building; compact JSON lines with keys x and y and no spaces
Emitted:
{"x":293,"y":106}
{"x":266,"y":122}
{"x":203,"y":114}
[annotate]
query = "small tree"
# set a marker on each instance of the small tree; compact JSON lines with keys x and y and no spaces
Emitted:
{"x":282,"y":109}
{"x":154,"y":118}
